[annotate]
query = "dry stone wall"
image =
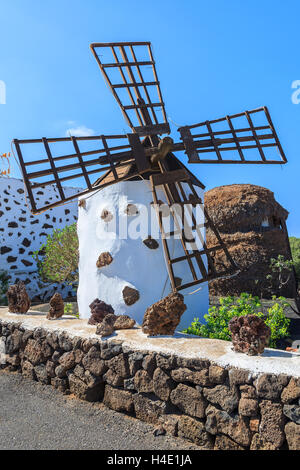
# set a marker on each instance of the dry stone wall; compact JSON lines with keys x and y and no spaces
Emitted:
{"x":215,"y":407}
{"x":22,"y":233}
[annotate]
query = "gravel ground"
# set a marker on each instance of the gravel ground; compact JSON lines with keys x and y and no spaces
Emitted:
{"x":35,"y":416}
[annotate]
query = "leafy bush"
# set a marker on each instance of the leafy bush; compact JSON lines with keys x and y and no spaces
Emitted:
{"x":3,"y":287}
{"x":217,"y":319}
{"x":57,"y":259}
{"x":295,"y":247}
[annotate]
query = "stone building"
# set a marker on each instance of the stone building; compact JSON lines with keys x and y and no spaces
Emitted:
{"x":253,"y":226}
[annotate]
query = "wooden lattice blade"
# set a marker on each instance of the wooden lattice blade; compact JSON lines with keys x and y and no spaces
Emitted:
{"x":247,"y":137}
{"x":130,"y":72}
{"x":77,"y":162}
{"x":190,"y":221}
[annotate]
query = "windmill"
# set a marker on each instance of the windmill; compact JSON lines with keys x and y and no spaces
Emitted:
{"x":148,"y":153}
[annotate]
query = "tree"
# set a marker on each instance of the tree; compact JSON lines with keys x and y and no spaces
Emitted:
{"x":57,"y":259}
{"x":295,"y":247}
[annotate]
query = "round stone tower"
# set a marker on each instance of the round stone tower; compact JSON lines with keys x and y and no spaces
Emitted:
{"x":253,"y":226}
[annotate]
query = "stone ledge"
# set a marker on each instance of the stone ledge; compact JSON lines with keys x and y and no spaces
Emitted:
{"x":193,"y":387}
{"x":272,"y":361}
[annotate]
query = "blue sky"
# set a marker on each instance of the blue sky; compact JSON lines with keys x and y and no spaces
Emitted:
{"x":233,"y":55}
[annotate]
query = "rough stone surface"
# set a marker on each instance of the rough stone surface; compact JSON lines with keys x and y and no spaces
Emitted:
{"x":143,"y":382}
{"x":169,"y":422}
{"x":81,"y":390}
{"x":151,"y":243}
{"x":119,"y":365}
{"x":189,"y":400}
{"x":239,"y":376}
{"x":105,"y":259}
{"x":179,"y":394}
{"x":227,"y":398}
{"x":149,"y":363}
{"x":292,"y":412}
{"x":238,"y":211}
{"x":163,"y":317}
{"x":270,"y":386}
{"x":291,"y":392}
{"x":57,"y":307}
{"x":162,"y":384}
{"x":18,"y":299}
{"x":225,"y":443}
{"x":272,"y":422}
{"x":149,"y":408}
{"x":106,"y":327}
{"x":250,"y":334}
{"x":248,"y":407}
{"x":259,"y":443}
{"x":123,"y":322}
{"x":93,"y":362}
{"x":193,"y":376}
{"x":99,"y":310}
{"x":194,"y":430}
{"x":130,"y":295}
{"x":118,"y":400}
{"x":292,"y":432}
{"x":37,"y":352}
{"x":233,"y":426}
{"x":217,"y":374}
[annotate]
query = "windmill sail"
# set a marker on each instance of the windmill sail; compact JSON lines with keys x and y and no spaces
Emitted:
{"x":189,"y":230}
{"x":130,"y":72}
{"x":77,"y":161}
{"x":249,"y":137}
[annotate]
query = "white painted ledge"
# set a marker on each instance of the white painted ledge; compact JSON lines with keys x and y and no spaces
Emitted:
{"x":272,"y":361}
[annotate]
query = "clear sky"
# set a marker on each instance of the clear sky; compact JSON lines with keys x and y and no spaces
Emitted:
{"x":213,"y":58}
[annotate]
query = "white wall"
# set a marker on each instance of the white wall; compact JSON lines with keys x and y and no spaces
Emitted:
{"x":21,"y":233}
{"x":134,"y":264}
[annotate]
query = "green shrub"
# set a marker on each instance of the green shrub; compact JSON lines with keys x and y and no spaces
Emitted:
{"x":295,"y":248}
{"x":57,"y":259}
{"x":217,"y":319}
{"x":3,"y":287}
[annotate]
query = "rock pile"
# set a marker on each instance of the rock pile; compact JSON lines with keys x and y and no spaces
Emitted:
{"x":99,"y":310}
{"x":164,"y":316}
{"x":250,"y":334}
{"x":56,"y":307}
{"x":113,"y":322}
{"x":18,"y":299}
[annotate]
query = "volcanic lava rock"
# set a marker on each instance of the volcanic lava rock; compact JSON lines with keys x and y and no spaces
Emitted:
{"x":99,"y":310}
{"x":130,"y":295}
{"x":163,"y":317}
{"x":104,"y":259}
{"x":123,"y":322}
{"x":106,"y":327}
{"x":131,"y":210}
{"x":250,"y":334}
{"x":18,"y":299}
{"x":56,"y":307}
{"x":106,"y":215}
{"x":151,"y":243}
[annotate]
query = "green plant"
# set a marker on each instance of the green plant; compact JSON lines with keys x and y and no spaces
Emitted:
{"x":3,"y":287}
{"x":217,"y":319}
{"x":68,"y":309}
{"x":295,"y":248}
{"x":57,"y":259}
